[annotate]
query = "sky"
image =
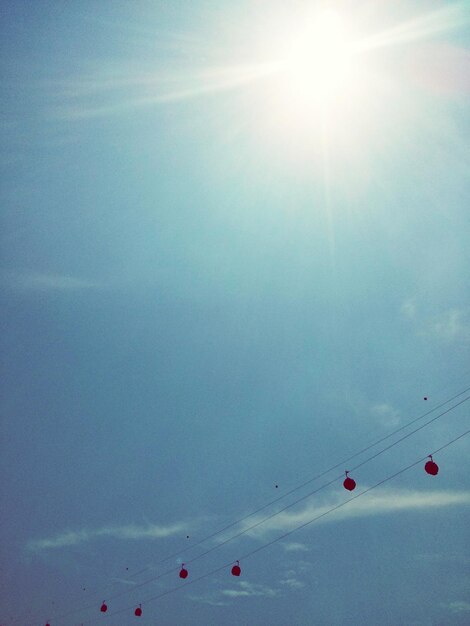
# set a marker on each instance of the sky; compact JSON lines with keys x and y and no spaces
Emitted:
{"x":234,"y":255}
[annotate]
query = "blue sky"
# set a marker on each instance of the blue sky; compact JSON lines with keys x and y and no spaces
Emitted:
{"x":230,"y":259}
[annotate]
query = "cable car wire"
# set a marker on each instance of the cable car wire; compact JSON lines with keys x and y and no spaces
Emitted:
{"x":281,"y":497}
{"x":290,"y":532}
{"x":275,"y":513}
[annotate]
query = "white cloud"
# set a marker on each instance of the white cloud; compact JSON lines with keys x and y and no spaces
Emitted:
{"x":459,"y":607}
{"x":408,"y":309}
{"x":295,"y":547}
{"x":450,"y":325}
{"x":210,"y":599}
{"x":36,"y":281}
{"x":386,"y":414}
{"x":381,"y":502}
{"x":247,"y":589}
{"x":292,"y":583}
{"x":131,"y":532}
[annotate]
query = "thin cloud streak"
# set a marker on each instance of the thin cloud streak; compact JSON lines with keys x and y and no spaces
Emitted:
{"x":384,"y":502}
{"x":37,"y":281}
{"x":460,"y":606}
{"x":210,"y":599}
{"x":243,"y":589}
{"x":295,"y":547}
{"x":292,"y":583}
{"x":247,"y":589}
{"x":131,"y":532}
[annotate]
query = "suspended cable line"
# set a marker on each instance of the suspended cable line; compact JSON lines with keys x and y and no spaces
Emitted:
{"x":318,"y":476}
{"x":290,"y":532}
{"x":277,"y":512}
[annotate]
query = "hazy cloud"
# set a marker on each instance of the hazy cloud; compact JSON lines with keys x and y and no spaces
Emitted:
{"x":380,"y":502}
{"x":295,"y":547}
{"x":131,"y":532}
{"x":291,"y":579}
{"x":209,"y":598}
{"x":385,"y":414}
{"x":459,"y":607}
{"x":408,"y":309}
{"x":242,"y":589}
{"x":36,"y":281}
{"x":292,"y":583}
{"x":450,"y":325}
{"x":247,"y":589}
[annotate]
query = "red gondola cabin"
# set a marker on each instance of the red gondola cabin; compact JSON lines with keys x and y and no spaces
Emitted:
{"x":431,"y":467}
{"x":349,"y":483}
{"x":236,"y":571}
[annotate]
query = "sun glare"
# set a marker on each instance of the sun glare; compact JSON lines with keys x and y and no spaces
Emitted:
{"x":320,"y":63}
{"x":321,"y":82}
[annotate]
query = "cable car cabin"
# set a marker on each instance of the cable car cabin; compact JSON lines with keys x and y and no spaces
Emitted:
{"x":236,"y":571}
{"x":183,"y":572}
{"x":104,"y":607}
{"x":349,"y":483}
{"x":138,"y":611}
{"x":431,"y":467}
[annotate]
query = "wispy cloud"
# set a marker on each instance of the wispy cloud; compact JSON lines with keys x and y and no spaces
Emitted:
{"x":241,"y":589}
{"x":382,"y":502}
{"x":459,"y":607}
{"x":247,"y":589}
{"x":212,"y":599}
{"x":450,"y":326}
{"x":294,"y":546}
{"x":131,"y":532}
{"x":385,"y":414}
{"x":408,"y":309}
{"x":291,"y":576}
{"x":36,"y":281}
{"x":292,"y":583}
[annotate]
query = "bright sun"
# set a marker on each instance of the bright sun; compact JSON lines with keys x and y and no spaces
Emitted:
{"x":320,"y":60}
{"x":320,"y":73}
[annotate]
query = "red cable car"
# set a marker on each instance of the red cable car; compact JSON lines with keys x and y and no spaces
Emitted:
{"x":236,"y":571}
{"x":138,"y":611}
{"x":349,"y":483}
{"x":183,"y":572}
{"x":431,"y":467}
{"x":104,"y":607}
